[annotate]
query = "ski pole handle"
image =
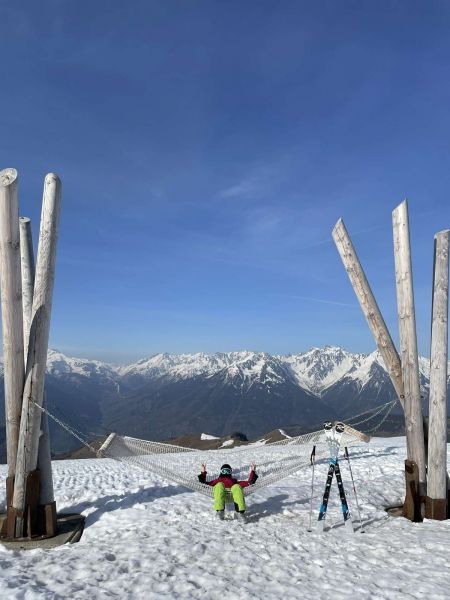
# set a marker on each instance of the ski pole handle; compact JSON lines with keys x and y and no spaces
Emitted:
{"x":346,"y":453}
{"x":313,"y":455}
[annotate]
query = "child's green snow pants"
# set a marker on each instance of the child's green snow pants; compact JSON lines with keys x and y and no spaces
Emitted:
{"x":220,"y":494}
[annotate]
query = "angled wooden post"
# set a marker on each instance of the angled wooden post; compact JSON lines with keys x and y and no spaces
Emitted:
{"x":11,"y":300}
{"x":25,"y":500}
{"x":369,"y":306}
{"x":46,"y":495}
{"x":436,"y":504}
{"x":408,"y":342}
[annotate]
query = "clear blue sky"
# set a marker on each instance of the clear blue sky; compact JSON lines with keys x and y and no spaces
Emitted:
{"x":207,"y":149}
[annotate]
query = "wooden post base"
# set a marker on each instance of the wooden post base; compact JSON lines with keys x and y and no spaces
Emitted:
{"x":36,"y":521}
{"x":412,"y":507}
{"x":436,"y":508}
{"x":9,"y":489}
{"x":47,"y":519}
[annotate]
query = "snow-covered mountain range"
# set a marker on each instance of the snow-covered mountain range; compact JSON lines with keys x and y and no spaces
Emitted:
{"x":168,"y":395}
{"x":314,"y":371}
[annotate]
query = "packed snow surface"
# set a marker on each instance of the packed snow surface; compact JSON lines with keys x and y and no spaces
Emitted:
{"x":146,"y":538}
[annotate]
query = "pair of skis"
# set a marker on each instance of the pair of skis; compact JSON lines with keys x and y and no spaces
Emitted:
{"x":333,"y":435}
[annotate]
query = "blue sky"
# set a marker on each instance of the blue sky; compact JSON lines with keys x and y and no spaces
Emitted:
{"x":207,"y":149}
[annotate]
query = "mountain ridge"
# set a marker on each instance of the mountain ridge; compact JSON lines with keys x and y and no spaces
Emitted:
{"x":170,"y":395}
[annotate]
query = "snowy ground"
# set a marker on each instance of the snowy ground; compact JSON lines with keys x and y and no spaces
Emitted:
{"x":145,"y":538}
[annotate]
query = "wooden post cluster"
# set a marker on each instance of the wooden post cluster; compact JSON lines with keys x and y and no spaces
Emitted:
{"x":26,"y":313}
{"x":404,"y":372}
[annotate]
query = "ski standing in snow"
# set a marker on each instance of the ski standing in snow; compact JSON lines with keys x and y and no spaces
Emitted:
{"x":333,"y":438}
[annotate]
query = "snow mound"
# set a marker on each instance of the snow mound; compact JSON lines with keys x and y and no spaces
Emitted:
{"x":206,"y":436}
{"x":227,"y":443}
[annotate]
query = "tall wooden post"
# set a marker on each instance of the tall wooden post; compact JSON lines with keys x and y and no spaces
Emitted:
{"x":408,"y":342}
{"x":369,"y":306}
{"x":25,"y":497}
{"x":436,"y":504}
{"x":44,"y":464}
{"x":27,"y":269}
{"x":11,"y":300}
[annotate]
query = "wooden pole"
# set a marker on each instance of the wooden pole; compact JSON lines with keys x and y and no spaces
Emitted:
{"x":369,"y":307}
{"x":24,"y":489}
{"x":11,"y":300}
{"x":44,"y":464}
{"x":408,"y":342}
{"x":27,"y":268}
{"x":436,"y":504}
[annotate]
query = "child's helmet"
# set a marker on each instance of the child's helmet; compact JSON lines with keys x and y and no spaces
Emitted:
{"x":225,"y":470}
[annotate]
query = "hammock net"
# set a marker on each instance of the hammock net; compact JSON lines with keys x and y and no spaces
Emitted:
{"x":274,"y":461}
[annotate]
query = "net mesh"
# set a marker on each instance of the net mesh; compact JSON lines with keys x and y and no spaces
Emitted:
{"x":274,"y":461}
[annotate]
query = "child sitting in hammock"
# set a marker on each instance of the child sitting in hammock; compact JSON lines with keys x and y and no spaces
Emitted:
{"x":225,"y":482}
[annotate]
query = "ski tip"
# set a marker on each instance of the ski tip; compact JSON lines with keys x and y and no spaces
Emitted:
{"x":340,"y":427}
{"x":328,"y":425}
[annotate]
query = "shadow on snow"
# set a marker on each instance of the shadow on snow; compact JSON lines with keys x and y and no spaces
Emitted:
{"x":114,"y":502}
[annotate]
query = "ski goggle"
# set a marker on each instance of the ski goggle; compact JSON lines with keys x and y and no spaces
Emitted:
{"x":225,"y":471}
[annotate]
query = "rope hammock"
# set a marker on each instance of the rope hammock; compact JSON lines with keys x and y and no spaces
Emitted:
{"x":274,"y":461}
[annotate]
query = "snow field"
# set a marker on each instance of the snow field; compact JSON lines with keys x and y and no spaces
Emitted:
{"x":145,"y":538}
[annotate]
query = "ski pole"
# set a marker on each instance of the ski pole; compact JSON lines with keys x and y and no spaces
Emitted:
{"x":313,"y":456}
{"x":347,"y":456}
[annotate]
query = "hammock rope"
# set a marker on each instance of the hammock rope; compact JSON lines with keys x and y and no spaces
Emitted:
{"x":380,"y":423}
{"x":372,"y":412}
{"x":72,"y":430}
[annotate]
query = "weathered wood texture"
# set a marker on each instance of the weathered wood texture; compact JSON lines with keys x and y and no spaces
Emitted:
{"x":44,"y":461}
{"x":437,"y":431}
{"x":38,"y":343}
{"x":408,"y":342}
{"x":369,"y":306}
{"x":11,"y":299}
{"x":46,"y":494}
{"x":412,"y":508}
{"x":27,"y":269}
